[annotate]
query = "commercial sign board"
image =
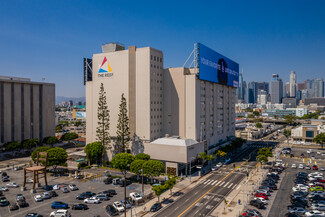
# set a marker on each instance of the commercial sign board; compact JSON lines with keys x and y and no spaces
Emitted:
{"x":216,"y":68}
{"x":105,"y":69}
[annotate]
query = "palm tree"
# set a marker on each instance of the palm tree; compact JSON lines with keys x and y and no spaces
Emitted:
{"x":202,"y":156}
{"x":210,"y":158}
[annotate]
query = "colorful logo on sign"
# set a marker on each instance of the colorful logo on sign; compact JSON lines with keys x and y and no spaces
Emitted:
{"x":105,"y":69}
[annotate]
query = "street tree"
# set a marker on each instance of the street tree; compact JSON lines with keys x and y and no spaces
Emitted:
{"x":220,"y":154}
{"x":142,"y":156}
{"x":68,"y":137}
{"x":39,"y":149}
{"x":170,"y":183}
{"x":287,"y":134}
{"x":122,"y":162}
{"x":202,"y":156}
{"x":13,"y":146}
{"x":153,"y":168}
{"x":51,"y":140}
{"x":320,"y":139}
{"x":57,"y":157}
{"x":30,"y":143}
{"x":210,"y":158}
{"x":123,"y":131}
{"x":262,"y":158}
{"x":94,"y":152}
{"x":258,"y":125}
{"x":102,"y":130}
{"x":265,"y":151}
{"x":159,"y":189}
{"x":137,"y":166}
{"x":256,"y":113}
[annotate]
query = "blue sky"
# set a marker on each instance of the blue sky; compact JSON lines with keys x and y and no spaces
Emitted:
{"x":48,"y":39}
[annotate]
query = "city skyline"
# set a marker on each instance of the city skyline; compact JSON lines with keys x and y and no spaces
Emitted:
{"x":49,"y":39}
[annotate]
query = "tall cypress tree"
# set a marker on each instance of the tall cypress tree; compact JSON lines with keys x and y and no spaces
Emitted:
{"x":123,"y":131}
{"x":103,"y":120}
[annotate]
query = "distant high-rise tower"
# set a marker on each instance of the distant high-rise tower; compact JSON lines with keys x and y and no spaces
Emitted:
{"x":276,"y":89}
{"x":292,"y":86}
{"x":240,"y":90}
{"x":317,"y":87}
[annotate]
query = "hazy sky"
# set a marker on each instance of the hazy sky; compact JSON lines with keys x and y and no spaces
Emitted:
{"x":48,"y":39}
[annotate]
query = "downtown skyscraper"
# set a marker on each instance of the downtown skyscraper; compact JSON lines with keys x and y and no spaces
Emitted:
{"x":276,"y":89}
{"x":292,"y":84}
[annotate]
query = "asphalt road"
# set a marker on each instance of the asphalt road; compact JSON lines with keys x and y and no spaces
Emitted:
{"x":210,"y":191}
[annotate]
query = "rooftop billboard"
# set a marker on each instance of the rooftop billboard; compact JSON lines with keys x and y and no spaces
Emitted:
{"x":216,"y":68}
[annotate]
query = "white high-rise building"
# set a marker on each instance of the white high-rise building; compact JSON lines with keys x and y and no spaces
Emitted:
{"x":292,"y":87}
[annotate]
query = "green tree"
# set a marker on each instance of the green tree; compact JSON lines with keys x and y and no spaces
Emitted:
{"x":159,"y":189}
{"x":57,"y":157}
{"x":142,"y":156}
{"x":69,"y":136}
{"x":289,"y":119}
{"x":40,"y":149}
{"x":13,"y":146}
{"x":123,"y":132}
{"x":256,"y":113}
{"x":258,"y":125}
{"x":250,"y":116}
{"x":153,"y":168}
{"x":94,"y":152}
{"x":220,"y":154}
{"x":137,"y":166}
{"x":51,"y":140}
{"x":58,"y":128}
{"x":265,"y":151}
{"x":210,"y":158}
{"x":102,"y":131}
{"x":30,"y":143}
{"x":78,"y":123}
{"x":262,"y":158}
{"x":320,"y":139}
{"x":287,"y":134}
{"x":170,"y":183}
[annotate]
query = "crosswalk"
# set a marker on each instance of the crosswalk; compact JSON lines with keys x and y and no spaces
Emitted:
{"x":218,"y":183}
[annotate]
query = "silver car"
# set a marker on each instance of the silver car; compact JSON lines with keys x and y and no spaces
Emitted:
{"x":297,"y":210}
{"x":320,"y":207}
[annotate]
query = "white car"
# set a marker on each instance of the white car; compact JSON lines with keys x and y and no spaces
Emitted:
{"x":30,"y":180}
{"x":60,"y":213}
{"x":304,"y":189}
{"x":319,"y":152}
{"x":322,"y":169}
{"x":13,"y":185}
{"x":219,"y":165}
{"x":38,"y":198}
{"x":302,"y":185}
{"x":4,"y":188}
{"x":323,"y":154}
{"x":294,"y":166}
{"x":314,"y":178}
{"x":314,"y":212}
{"x":261,"y":199}
{"x":307,"y":167}
{"x":73,"y":187}
{"x":56,"y":187}
{"x":118,"y":206}
{"x":135,"y":196}
{"x":92,"y":200}
{"x":315,"y":174}
{"x":301,"y":166}
{"x":310,"y":151}
{"x":214,"y":168}
{"x":313,"y":157}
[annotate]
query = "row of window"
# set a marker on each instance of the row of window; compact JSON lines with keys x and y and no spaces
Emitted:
{"x":155,"y":67}
{"x":155,"y":58}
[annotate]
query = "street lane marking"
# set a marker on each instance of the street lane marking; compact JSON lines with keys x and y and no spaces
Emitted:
{"x":206,"y":182}
{"x":211,"y":188}
{"x":222,"y":184}
{"x":214,"y":182}
{"x":233,"y":187}
{"x":226,"y":184}
{"x":209,"y":182}
{"x":230,"y":185}
{"x":218,"y":183}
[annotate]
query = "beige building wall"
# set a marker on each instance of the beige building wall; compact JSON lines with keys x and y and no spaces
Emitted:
{"x":136,"y":72}
{"x":26,"y":109}
{"x":196,"y":109}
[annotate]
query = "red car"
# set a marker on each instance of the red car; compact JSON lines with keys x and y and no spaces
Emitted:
{"x":249,"y":214}
{"x":315,"y":167}
{"x":321,"y":180}
{"x":261,"y":195}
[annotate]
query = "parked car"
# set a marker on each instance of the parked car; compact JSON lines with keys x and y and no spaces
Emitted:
{"x":112,"y":192}
{"x":4,"y":188}
{"x":79,"y":207}
{"x":65,"y":190}
{"x":73,"y":187}
{"x":92,"y":200}
{"x":46,"y":195}
{"x":127,"y":204}
{"x":294,"y":166}
{"x":316,"y":188}
{"x":257,"y":203}
{"x":156,"y":207}
{"x":22,"y":203}
{"x":20,"y":197}
{"x":38,"y":198}
{"x":33,"y":215}
{"x":301,"y":166}
{"x":12,"y":185}
{"x":48,"y":188}
{"x":59,"y":205}
{"x":13,"y":207}
{"x":315,"y":167}
{"x":314,"y":213}
{"x":317,"y":207}
{"x":104,"y":197}
{"x":297,"y":210}
{"x":118,"y":206}
{"x":108,"y":180}
{"x":4,"y":201}
{"x":307,"y":167}
{"x":53,"y":194}
{"x":111,"y":210}
{"x":135,"y":196}
{"x":60,"y":213}
{"x":56,"y":187}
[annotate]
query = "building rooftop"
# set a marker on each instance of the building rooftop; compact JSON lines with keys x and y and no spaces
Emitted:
{"x":176,"y":141}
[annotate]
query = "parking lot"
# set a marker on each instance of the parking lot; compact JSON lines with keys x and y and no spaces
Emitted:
{"x":44,"y":207}
{"x":282,"y":200}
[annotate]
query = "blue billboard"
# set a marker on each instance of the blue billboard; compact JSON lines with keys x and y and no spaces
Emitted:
{"x":216,"y":68}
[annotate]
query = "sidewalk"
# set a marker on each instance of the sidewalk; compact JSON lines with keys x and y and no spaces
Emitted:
{"x":144,"y":210}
